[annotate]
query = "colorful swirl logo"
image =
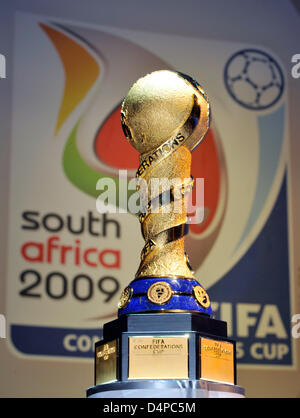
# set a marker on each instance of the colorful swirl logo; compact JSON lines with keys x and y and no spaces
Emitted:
{"x":96,"y":147}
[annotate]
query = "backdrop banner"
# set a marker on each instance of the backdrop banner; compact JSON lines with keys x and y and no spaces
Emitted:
{"x":68,"y":263}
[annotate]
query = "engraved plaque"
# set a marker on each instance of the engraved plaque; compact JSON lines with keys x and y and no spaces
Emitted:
{"x":216,"y":360}
{"x":158,"y":357}
{"x":106,"y":362}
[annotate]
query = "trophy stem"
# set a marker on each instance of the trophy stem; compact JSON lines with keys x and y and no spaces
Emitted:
{"x":164,"y":223}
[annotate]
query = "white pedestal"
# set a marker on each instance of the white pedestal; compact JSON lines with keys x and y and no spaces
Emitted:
{"x":166,"y":389}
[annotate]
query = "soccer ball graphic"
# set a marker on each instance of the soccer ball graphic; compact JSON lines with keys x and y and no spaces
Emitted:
{"x":253,"y":79}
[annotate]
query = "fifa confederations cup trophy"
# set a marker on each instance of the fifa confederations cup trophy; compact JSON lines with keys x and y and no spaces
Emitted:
{"x":164,"y":339}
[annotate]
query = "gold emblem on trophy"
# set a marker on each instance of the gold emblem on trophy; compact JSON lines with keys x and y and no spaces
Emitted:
{"x":105,"y":353}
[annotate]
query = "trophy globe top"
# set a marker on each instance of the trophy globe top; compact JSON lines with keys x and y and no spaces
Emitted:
{"x":161,"y":104}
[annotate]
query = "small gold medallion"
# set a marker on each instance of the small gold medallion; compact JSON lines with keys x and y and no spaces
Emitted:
{"x":216,"y":360}
{"x":125,"y":297}
{"x":201,"y":296}
{"x":160,"y":293}
{"x":187,"y":260}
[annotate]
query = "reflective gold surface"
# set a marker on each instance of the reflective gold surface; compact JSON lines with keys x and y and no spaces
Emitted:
{"x":165,"y":115}
{"x":106,"y":362}
{"x":160,"y":293}
{"x":216,"y":360}
{"x":201,"y":296}
{"x":125,"y":297}
{"x":158,"y":357}
{"x":159,"y":105}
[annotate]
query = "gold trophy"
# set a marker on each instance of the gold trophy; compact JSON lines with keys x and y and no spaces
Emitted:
{"x":165,"y":115}
{"x":164,"y":334}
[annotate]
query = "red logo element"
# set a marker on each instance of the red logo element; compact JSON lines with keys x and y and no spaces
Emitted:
{"x":111,"y":146}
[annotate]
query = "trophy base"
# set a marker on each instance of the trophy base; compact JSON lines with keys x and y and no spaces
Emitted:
{"x":165,"y":354}
{"x":166,"y":389}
